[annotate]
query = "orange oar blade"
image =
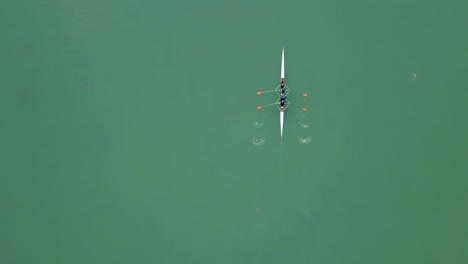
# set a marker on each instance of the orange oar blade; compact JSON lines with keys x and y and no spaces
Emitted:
{"x":304,"y":109}
{"x":304,"y":94}
{"x":259,"y":93}
{"x":259,"y":108}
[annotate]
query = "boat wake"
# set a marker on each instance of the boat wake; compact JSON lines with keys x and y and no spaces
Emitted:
{"x":258,"y":124}
{"x":304,"y":140}
{"x":258,"y":141}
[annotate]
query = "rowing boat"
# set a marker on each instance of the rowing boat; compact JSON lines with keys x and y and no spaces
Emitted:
{"x":280,"y":107}
{"x":282,"y":90}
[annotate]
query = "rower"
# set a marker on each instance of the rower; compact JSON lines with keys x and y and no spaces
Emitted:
{"x":282,"y":85}
{"x":282,"y":98}
{"x":282,"y":90}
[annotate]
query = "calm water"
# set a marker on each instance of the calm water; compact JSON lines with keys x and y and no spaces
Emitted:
{"x":127,"y":132}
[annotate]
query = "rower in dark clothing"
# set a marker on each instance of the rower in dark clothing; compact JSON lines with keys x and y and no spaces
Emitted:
{"x":282,"y":99}
{"x":282,"y":85}
{"x":282,"y":90}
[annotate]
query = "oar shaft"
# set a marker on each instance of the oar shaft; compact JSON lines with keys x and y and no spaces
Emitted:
{"x":269,"y":104}
{"x":270,"y":91}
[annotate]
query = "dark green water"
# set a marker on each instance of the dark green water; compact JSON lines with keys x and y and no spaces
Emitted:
{"x":126,"y":132}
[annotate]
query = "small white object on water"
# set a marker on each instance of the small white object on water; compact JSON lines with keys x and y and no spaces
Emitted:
{"x":415,"y":76}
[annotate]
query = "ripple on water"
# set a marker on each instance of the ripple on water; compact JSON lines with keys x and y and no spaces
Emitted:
{"x":258,"y":141}
{"x":304,"y":123}
{"x":257,"y":124}
{"x":304,"y":140}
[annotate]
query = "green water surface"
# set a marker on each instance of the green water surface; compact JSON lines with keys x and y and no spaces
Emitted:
{"x":126,"y":132}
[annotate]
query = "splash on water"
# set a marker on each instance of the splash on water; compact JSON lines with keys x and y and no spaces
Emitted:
{"x":258,"y":141}
{"x":304,"y":140}
{"x":258,"y":124}
{"x":304,"y":123}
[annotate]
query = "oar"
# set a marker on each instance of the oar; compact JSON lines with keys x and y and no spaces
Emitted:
{"x":261,"y":92}
{"x":261,"y":106}
{"x":300,"y":107}
{"x":303,"y":94}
